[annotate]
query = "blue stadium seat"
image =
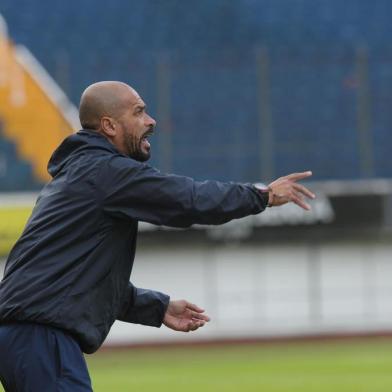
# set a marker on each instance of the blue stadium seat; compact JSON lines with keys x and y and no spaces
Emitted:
{"x":15,"y":173}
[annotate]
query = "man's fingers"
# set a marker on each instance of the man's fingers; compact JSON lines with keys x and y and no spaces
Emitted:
{"x":194,"y":307}
{"x":298,"y":200}
{"x":195,"y":324}
{"x":305,"y":191}
{"x":298,"y":176}
{"x":200,"y":316}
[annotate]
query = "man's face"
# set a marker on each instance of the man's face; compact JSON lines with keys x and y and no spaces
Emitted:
{"x":136,"y":126}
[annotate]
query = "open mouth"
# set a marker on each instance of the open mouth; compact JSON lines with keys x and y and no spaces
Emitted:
{"x":145,"y":142}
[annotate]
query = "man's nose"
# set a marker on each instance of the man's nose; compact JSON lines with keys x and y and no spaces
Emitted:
{"x":150,"y":121}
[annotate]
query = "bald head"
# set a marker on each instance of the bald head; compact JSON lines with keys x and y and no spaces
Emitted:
{"x":104,"y":99}
{"x":116,"y":111}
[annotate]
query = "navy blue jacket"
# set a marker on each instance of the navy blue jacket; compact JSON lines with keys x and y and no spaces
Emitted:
{"x":71,"y":267}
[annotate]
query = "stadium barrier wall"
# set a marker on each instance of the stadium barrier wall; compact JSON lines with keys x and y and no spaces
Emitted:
{"x":268,"y":290}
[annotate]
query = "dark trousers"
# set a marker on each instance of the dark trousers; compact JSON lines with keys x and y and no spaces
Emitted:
{"x":38,"y":358}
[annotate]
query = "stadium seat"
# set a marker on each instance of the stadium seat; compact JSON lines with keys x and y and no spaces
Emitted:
{"x":15,"y":174}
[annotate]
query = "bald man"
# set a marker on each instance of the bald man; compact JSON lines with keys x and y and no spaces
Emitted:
{"x":67,"y":278}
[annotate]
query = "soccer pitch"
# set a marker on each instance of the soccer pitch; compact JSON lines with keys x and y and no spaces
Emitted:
{"x":344,"y":366}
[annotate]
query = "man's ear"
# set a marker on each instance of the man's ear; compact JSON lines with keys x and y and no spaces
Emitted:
{"x":108,"y":126}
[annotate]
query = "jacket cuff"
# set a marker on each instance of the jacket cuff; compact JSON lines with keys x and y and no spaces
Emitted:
{"x":262,"y":193}
{"x":148,"y":308}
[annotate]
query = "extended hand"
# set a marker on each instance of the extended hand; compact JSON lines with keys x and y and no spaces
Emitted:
{"x":184,"y":316}
{"x":286,"y":189}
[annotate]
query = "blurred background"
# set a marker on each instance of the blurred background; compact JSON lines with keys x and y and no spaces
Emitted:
{"x":242,"y":90}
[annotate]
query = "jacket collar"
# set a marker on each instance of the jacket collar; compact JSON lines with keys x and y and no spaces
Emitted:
{"x":85,"y":139}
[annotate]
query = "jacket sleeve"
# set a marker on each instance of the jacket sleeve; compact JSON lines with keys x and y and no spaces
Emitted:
{"x":141,"y":306}
{"x":138,"y":191}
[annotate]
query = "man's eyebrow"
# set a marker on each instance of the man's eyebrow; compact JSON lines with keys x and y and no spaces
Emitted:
{"x":140,"y":105}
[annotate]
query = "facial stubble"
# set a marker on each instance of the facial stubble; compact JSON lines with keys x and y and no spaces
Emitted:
{"x":134,"y":147}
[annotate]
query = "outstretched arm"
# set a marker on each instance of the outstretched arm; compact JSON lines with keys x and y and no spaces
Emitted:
{"x":131,"y":189}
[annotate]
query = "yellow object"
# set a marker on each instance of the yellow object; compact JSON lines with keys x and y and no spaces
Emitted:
{"x":12,"y":223}
{"x":30,"y":107}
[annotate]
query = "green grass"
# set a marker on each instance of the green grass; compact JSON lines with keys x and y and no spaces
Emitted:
{"x":346,"y":366}
{"x":362,"y":366}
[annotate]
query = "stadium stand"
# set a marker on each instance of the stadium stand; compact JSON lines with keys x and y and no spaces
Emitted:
{"x":320,"y":96}
{"x":15,"y":173}
{"x":33,"y":117}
